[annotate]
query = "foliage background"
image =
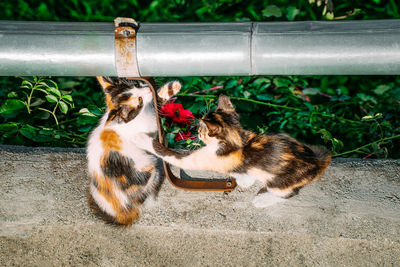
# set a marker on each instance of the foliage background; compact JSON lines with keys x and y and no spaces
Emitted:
{"x":354,"y":116}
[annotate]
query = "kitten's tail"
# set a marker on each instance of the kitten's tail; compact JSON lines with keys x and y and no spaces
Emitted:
{"x":323,"y":155}
{"x":123,"y":217}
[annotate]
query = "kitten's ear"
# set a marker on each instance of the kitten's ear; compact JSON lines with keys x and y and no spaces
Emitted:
{"x":225,"y":103}
{"x":105,"y":82}
{"x":213,"y":129}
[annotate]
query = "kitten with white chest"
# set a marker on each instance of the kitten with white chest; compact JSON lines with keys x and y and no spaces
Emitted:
{"x":281,"y":163}
{"x":122,"y":175}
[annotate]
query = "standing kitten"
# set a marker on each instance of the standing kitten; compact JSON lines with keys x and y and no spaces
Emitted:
{"x":281,"y":163}
{"x":122,"y":175}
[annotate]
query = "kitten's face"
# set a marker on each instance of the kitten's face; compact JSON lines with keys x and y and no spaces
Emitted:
{"x":221,"y":124}
{"x":125,"y":101}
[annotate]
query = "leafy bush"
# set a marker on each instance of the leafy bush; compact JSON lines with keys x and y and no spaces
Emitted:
{"x":353,"y":115}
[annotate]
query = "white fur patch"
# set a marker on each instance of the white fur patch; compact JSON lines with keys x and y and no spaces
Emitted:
{"x":266,"y":200}
{"x":101,"y":201}
{"x":122,"y":197}
{"x":260,"y":175}
{"x":243,"y":180}
{"x":144,"y":141}
{"x":280,"y":193}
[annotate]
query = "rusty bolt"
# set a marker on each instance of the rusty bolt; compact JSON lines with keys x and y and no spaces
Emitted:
{"x":126,"y":33}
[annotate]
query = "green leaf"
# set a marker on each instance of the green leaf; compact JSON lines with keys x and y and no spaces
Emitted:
{"x":282,"y":82}
{"x":375,"y":147}
{"x":95,"y":110}
{"x":46,"y":132}
{"x":326,"y":135}
{"x":54,"y":91}
{"x":170,"y":138}
{"x":265,"y":97}
{"x":272,"y":11}
{"x":67,"y":98}
{"x":381,"y":89}
{"x":230,"y":84}
{"x":83,"y":120}
{"x":329,"y":16}
{"x":12,"y":106}
{"x":337,"y":144}
{"x":63,"y":107}
{"x":37,"y":102}
{"x":42,"y":115}
{"x":32,"y":133}
{"x":10,"y":127}
{"x":12,"y":95}
{"x":29,"y":132}
{"x":27,"y":83}
{"x":367,"y":118}
{"x":261,"y":81}
{"x":51,"y":98}
{"x":292,"y":12}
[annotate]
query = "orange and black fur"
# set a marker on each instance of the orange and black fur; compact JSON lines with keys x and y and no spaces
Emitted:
{"x":280,"y":162}
{"x":123,"y":176}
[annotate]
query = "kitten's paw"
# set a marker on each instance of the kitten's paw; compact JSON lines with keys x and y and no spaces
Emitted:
{"x":143,"y":141}
{"x":169,"y":89}
{"x":244,"y":181}
{"x":266,"y":200}
{"x":176,"y":87}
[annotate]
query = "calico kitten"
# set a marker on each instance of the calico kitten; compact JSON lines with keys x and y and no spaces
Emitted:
{"x":122,"y":175}
{"x":281,"y":163}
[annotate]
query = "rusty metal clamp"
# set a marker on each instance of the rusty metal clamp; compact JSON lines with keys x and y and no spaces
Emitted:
{"x":126,"y":64}
{"x":125,"y":47}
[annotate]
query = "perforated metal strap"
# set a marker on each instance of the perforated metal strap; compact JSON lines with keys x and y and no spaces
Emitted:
{"x":125,"y":47}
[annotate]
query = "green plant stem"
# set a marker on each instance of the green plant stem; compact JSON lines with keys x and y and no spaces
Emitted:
{"x":54,"y":115}
{"x":310,"y":12}
{"x":30,"y":97}
{"x":364,"y":146}
{"x":274,"y":105}
{"x":394,"y":7}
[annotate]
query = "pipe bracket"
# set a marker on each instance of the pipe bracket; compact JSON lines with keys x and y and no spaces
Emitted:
{"x":125,"y":47}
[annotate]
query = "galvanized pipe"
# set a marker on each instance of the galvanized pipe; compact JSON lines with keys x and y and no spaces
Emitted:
{"x":197,"y":49}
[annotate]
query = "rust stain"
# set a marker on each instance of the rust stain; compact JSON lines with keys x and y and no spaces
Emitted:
{"x":125,"y":53}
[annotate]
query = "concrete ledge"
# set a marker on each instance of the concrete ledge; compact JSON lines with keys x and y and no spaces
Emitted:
{"x":350,"y":217}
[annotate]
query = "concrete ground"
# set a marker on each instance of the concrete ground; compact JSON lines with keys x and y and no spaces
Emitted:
{"x":351,"y":217}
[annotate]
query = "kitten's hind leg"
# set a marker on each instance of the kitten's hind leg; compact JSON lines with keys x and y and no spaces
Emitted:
{"x":284,"y":193}
{"x":243,"y":180}
{"x":266,"y":199}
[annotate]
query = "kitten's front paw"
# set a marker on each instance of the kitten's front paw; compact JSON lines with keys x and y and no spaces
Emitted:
{"x":266,"y":199}
{"x":176,"y":87}
{"x":245,"y":182}
{"x":143,"y":141}
{"x":169,"y":89}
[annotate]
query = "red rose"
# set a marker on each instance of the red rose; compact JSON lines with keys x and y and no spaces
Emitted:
{"x":184,"y":136}
{"x":177,"y":113}
{"x":185,"y":116}
{"x":169,"y":110}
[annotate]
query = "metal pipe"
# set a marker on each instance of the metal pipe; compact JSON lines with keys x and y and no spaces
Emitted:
{"x":198,"y":49}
